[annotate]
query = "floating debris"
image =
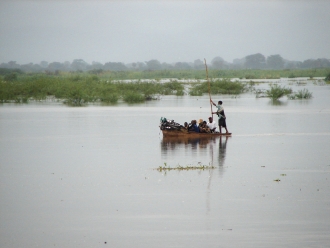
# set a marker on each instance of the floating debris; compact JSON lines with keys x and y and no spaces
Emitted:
{"x":283,"y":175}
{"x":188,"y":167}
{"x":277,"y":180}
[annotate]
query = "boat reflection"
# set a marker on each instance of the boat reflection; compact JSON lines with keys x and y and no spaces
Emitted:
{"x":200,"y":147}
{"x":205,"y":150}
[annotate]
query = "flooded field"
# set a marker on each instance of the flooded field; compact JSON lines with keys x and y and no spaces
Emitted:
{"x":87,"y":176}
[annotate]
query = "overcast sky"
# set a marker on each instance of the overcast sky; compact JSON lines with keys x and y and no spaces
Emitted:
{"x":170,"y":31}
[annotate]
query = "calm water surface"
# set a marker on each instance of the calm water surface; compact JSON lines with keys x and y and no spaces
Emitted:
{"x":86,"y":176}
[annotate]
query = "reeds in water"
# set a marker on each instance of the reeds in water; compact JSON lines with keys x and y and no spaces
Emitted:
{"x":276,"y":91}
{"x":301,"y":94}
{"x":219,"y":86}
{"x":78,"y":90}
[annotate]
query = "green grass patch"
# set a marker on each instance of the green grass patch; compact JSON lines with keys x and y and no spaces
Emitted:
{"x":218,"y":86}
{"x":327,"y":79}
{"x":79,"y":89}
{"x":275,"y":92}
{"x":133,"y":97}
{"x":301,"y":94}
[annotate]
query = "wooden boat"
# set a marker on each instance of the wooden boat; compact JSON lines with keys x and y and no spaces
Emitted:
{"x":185,"y":133}
{"x":175,"y":130}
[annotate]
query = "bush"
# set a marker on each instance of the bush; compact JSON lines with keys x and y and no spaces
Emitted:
{"x":301,"y":94}
{"x":6,"y":71}
{"x":277,"y":92}
{"x":10,"y":77}
{"x":109,"y":98}
{"x":133,"y":97}
{"x":219,"y":86}
{"x":173,"y":87}
{"x":327,"y":78}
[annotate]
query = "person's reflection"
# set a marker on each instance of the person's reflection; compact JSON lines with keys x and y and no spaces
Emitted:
{"x":221,"y":162}
{"x":222,"y":150}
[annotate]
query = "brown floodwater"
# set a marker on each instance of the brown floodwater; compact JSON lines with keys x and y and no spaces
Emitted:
{"x":86,"y":176}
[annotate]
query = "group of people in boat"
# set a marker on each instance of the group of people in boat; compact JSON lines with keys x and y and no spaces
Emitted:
{"x":209,"y":127}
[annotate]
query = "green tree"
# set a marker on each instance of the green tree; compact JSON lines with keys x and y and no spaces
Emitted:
{"x":55,"y":66}
{"x":218,"y":63}
{"x":79,"y":65}
{"x":115,"y":66}
{"x":275,"y":62}
{"x":154,"y":65}
{"x":182,"y":66}
{"x":198,"y":64}
{"x":255,"y":61}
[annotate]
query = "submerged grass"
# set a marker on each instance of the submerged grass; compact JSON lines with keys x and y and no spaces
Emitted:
{"x":78,"y":90}
{"x":275,"y":92}
{"x":215,"y":73}
{"x":301,"y":94}
{"x":81,"y":88}
{"x":218,"y":86}
{"x":327,"y":79}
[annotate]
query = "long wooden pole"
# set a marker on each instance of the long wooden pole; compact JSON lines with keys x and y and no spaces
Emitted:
{"x":208,"y":81}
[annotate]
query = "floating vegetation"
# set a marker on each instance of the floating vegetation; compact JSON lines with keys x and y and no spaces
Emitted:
{"x":277,"y":180}
{"x":218,"y":86}
{"x":78,"y":90}
{"x":277,"y":92}
{"x":250,"y":86}
{"x":283,"y":175}
{"x":327,"y":79}
{"x":301,"y":94}
{"x":188,"y":167}
{"x":260,"y":93}
{"x":173,"y":87}
{"x":133,"y":97}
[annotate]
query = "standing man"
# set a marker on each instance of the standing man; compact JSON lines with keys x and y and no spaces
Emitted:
{"x":221,"y":114}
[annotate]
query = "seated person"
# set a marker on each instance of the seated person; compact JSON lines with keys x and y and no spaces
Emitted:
{"x":193,"y":127}
{"x":200,"y":123}
{"x":204,"y":128}
{"x":212,"y":125}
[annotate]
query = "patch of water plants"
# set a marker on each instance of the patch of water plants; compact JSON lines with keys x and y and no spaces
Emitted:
{"x":301,"y":94}
{"x":276,"y":91}
{"x":215,"y":73}
{"x":188,"y":167}
{"x":327,"y":79}
{"x":218,"y":86}
{"x":78,"y":90}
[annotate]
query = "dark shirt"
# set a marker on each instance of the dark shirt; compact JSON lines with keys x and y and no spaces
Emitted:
{"x":195,"y":128}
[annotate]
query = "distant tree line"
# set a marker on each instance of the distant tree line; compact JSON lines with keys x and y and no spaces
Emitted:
{"x":253,"y":61}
